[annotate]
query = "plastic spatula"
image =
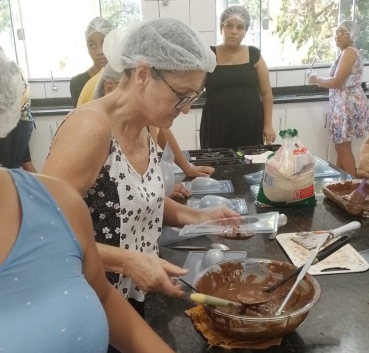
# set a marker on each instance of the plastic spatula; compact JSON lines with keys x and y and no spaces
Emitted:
{"x":358,"y":196}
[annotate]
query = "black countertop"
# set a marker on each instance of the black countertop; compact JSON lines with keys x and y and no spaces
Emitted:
{"x":339,"y":323}
{"x":281,"y":95}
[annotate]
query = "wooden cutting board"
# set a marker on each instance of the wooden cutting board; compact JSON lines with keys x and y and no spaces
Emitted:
{"x":345,"y":260}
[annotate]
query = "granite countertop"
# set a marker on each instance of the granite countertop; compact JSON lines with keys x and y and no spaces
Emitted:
{"x":47,"y":107}
{"x":337,"y":324}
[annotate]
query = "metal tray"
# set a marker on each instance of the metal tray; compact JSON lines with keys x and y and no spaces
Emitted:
{"x":193,"y":262}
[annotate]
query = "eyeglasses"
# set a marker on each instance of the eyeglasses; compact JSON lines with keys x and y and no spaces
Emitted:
{"x":183,"y":100}
{"x":341,"y":33}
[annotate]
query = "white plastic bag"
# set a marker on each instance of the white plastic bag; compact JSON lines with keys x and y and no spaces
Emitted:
{"x":288,"y":178}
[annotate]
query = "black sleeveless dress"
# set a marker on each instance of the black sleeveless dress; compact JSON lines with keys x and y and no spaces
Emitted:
{"x":233,"y":112}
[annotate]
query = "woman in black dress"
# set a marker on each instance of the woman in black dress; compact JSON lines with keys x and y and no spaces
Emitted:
{"x":239,"y":102}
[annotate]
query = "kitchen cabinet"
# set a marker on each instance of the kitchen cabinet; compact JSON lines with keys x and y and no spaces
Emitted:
{"x":41,"y":138}
{"x":355,"y":146}
{"x":311,"y":122}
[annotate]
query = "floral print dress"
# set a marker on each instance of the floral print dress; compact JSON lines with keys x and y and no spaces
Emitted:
{"x":127,"y":209}
{"x":349,"y":116}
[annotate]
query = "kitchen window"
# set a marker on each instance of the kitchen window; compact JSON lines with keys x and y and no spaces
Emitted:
{"x":292,"y":33}
{"x":46,"y":36}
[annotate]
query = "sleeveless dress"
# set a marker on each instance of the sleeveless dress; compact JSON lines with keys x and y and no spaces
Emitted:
{"x":127,"y":208}
{"x":46,"y":305}
{"x":349,"y":116}
{"x":233,"y":112}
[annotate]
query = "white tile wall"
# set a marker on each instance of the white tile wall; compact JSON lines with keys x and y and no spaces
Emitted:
{"x":290,"y":78}
{"x":203,"y":15}
{"x":150,"y":10}
{"x":210,"y":37}
{"x":62,"y":91}
{"x":179,"y":9}
{"x":37,"y":90}
{"x":273,"y":78}
{"x":366,"y":74}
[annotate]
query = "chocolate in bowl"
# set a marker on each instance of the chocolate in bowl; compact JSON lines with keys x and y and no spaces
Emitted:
{"x":227,"y":278}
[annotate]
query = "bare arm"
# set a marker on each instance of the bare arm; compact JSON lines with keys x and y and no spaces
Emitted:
{"x":79,"y":150}
{"x":177,"y":215}
{"x":363,"y":166}
{"x":267,"y":100}
{"x":164,"y":136}
{"x":126,"y":327}
{"x":344,"y":67}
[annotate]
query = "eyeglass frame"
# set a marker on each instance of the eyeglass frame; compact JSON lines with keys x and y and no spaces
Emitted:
{"x":341,"y":33}
{"x":183,"y":100}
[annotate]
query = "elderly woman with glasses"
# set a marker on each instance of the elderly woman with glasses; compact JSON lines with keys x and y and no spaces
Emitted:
{"x":349,"y":116}
{"x":105,"y":151}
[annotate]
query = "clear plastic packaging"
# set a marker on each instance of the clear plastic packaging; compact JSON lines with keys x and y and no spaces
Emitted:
{"x":238,"y":205}
{"x":200,"y":186}
{"x":321,"y":170}
{"x":234,"y":228}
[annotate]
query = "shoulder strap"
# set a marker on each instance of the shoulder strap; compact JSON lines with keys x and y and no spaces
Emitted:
{"x":254,"y":55}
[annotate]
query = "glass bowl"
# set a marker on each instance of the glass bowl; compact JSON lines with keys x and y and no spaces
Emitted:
{"x":243,"y":325}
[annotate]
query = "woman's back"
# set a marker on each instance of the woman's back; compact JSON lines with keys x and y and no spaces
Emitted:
{"x":46,"y":304}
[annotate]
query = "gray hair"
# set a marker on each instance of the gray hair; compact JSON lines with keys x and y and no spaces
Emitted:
{"x":107,"y":74}
{"x":11,"y":90}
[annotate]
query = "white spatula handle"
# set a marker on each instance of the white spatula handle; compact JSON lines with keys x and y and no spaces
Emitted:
{"x":346,"y":228}
{"x":210,"y":300}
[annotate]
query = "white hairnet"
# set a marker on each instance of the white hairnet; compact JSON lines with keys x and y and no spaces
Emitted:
{"x":11,"y":90}
{"x":352,"y":28}
{"x":98,"y":24}
{"x":165,"y":43}
{"x":236,"y":12}
{"x":107,"y":74}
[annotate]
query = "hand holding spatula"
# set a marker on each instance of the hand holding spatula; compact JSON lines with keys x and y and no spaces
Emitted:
{"x":358,"y":196}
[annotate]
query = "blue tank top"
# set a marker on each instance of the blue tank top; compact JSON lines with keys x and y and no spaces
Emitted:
{"x":46,"y":305}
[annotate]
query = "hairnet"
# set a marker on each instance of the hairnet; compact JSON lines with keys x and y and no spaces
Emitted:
{"x":352,"y":28}
{"x":98,"y":24}
{"x":11,"y":90}
{"x":165,"y":43}
{"x":236,"y":12}
{"x":107,"y":74}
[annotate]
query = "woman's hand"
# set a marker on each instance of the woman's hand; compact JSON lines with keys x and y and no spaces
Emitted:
{"x":152,"y":274}
{"x":217,"y":213}
{"x":179,"y":191}
{"x":268,"y":135}
{"x":312,"y":79}
{"x":363,"y":167}
{"x":199,"y":171}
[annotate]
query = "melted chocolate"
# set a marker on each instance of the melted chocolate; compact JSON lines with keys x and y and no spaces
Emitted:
{"x":230,"y":279}
{"x":340,"y":192}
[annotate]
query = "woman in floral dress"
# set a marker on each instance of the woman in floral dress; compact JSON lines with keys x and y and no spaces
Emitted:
{"x":349,"y":116}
